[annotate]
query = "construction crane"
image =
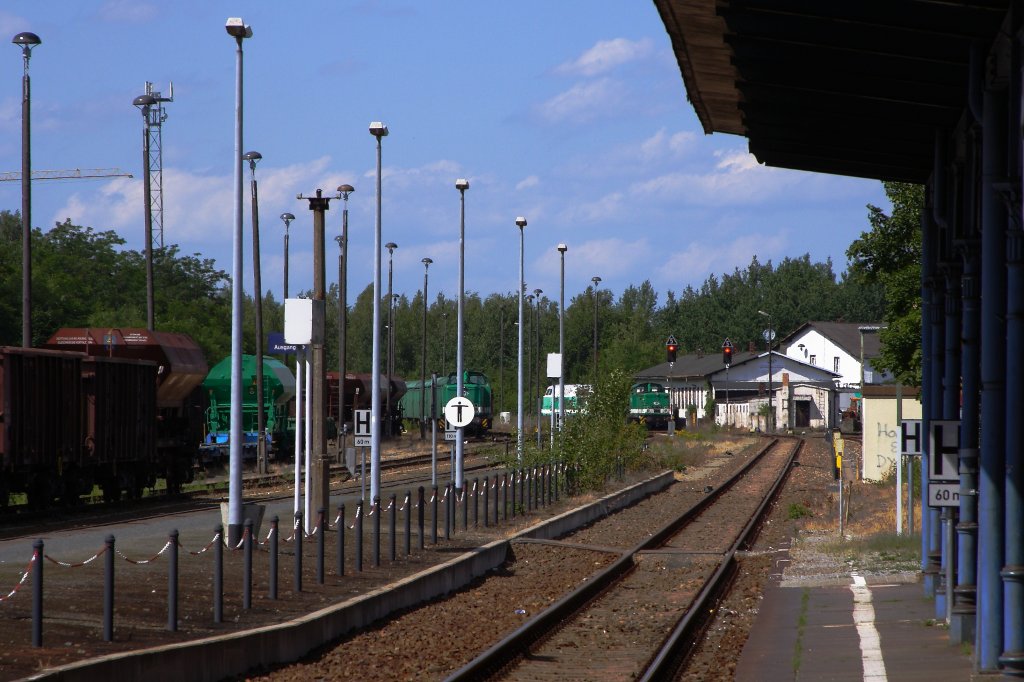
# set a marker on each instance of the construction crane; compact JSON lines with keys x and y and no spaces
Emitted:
{"x":71,"y":174}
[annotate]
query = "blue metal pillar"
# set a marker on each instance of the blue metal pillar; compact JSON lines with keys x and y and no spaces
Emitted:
{"x":929,"y":571}
{"x":989,"y":640}
{"x":951,"y":399}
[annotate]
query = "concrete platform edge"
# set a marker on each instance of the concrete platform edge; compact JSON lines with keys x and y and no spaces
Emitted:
{"x":215,"y":658}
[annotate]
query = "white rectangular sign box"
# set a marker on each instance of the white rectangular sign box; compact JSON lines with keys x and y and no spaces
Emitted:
{"x":910,"y":437}
{"x":361,"y":420}
{"x":943,"y":494}
{"x":450,"y":431}
{"x":944,"y":450}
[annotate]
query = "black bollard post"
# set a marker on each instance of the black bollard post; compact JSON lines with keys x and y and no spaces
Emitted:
{"x":247,"y":565}
{"x":393,"y":526}
{"x":321,"y":527}
{"x":37,"y":593}
{"x":504,"y":492}
{"x":408,"y":522}
{"x":448,"y":495}
{"x":487,"y":507}
{"x":299,"y":532}
{"x":522,"y":491}
{"x":172,"y":582}
{"x":419,"y":515}
{"x":376,"y":532}
{"x":434,"y":515}
{"x":476,"y":500}
{"x":556,"y":481}
{"x":274,"y":523}
{"x":108,"y":591}
{"x":341,"y":539}
{"x":497,"y":494}
{"x":465,"y":506}
{"x":218,"y":574}
{"x":359,"y":536}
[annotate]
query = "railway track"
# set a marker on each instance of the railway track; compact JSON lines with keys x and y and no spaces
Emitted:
{"x":639,"y":617}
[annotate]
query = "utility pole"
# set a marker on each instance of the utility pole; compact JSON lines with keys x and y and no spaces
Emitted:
{"x":319,"y":464}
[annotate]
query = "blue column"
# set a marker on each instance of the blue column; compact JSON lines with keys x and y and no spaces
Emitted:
{"x":927,"y":263}
{"x":950,"y":399}
{"x":989,"y":640}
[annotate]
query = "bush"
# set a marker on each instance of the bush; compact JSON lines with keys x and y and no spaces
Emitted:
{"x":799,"y":511}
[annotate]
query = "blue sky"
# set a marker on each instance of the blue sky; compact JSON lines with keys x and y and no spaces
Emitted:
{"x":570,"y":113}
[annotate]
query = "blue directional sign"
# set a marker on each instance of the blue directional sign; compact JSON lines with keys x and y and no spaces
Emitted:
{"x":277,"y":346}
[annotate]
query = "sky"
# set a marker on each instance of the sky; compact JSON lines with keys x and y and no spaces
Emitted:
{"x":572,"y":114}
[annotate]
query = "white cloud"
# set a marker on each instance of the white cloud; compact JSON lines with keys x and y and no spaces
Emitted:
{"x":527,"y":182}
{"x":699,"y":260}
{"x":583,"y":101}
{"x":608,"y":206}
{"x":442,"y":172}
{"x":606,"y":55}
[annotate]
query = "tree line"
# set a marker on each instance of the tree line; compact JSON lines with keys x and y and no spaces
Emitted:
{"x":86,"y":278}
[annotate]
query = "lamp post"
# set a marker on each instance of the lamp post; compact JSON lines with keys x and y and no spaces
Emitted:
{"x":536,"y":365}
{"x":390,"y":246}
{"x":596,"y":281}
{"x":287,"y":218}
{"x":562,"y":248}
{"x":462,"y":185}
{"x":423,"y":356}
{"x":521,"y":223}
{"x":379,"y":131}
{"x":769,"y":336}
{"x":261,"y":423}
{"x":145,"y":103}
{"x":342,"y":240}
{"x":238,"y":30}
{"x":27,"y":41}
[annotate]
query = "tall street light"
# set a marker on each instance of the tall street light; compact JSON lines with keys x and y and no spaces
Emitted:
{"x":423,"y":355}
{"x":257,"y":285}
{"x":521,"y":223}
{"x":238,"y":30}
{"x":344,"y":191}
{"x":536,"y":364}
{"x":379,"y":131}
{"x":462,"y":185}
{"x":287,"y":218}
{"x":562,"y":248}
{"x":596,"y":281}
{"x":27,"y":41}
{"x":390,"y":246}
{"x":769,"y":336}
{"x":145,"y":104}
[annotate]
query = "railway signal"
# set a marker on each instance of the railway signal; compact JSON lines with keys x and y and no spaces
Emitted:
{"x":671,"y":346}
{"x":727,"y":352}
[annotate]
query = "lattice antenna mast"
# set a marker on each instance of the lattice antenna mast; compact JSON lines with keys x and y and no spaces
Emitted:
{"x":157,"y":116}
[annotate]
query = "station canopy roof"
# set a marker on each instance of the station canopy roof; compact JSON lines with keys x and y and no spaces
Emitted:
{"x":853,"y":88}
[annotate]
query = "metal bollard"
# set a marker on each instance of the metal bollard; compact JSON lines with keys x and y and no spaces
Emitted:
{"x":497,"y":493}
{"x":448,"y":511}
{"x":172,"y":582}
{"x":274,"y":523}
{"x":247,"y":565}
{"x":408,"y":522}
{"x":465,"y":506}
{"x":522,"y":491}
{"x":359,"y":536}
{"x":476,"y":501}
{"x":434,"y":515}
{"x":487,"y":507}
{"x":392,"y":521}
{"x":556,"y":481}
{"x":37,"y":593}
{"x":341,"y":539}
{"x":504,"y":492}
{"x":299,"y":530}
{"x":218,"y":574}
{"x":321,"y":525}
{"x":419,"y":514}
{"x":376,"y":532}
{"x":108,"y":591}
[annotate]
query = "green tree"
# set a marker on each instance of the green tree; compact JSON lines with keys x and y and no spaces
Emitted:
{"x":890,"y":256}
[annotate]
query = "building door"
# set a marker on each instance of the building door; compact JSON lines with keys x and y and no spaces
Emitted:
{"x":802,"y":413}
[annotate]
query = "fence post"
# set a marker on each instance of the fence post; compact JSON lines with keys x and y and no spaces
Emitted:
{"x":419,"y":515}
{"x":218,"y":574}
{"x":504,"y":492}
{"x":172,"y":582}
{"x":341,"y":539}
{"x":299,"y":530}
{"x":434,"y":515}
{"x":448,"y":510}
{"x":274,"y":523}
{"x":487,"y":506}
{"x":392,"y":521}
{"x":465,"y":505}
{"x":37,"y":593}
{"x":247,"y":565}
{"x":556,"y":480}
{"x":321,"y":516}
{"x":108,"y":591}
{"x":408,"y":522}
{"x":376,"y":532}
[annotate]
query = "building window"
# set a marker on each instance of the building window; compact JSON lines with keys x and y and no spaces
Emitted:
{"x":814,"y":360}
{"x":835,"y":365}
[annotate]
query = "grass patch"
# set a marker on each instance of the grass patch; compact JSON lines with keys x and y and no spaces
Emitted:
{"x":798,"y":511}
{"x":878,"y":552}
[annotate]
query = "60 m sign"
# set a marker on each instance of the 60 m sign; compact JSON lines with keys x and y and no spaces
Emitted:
{"x":943,"y":494}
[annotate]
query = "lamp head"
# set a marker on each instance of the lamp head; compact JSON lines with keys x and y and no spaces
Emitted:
{"x":595,"y":280}
{"x":426,"y":262}
{"x":345,"y":190}
{"x":287,"y":218}
{"x":144,"y":101}
{"x":462,"y":184}
{"x":237,"y":28}
{"x":538,"y":292}
{"x":563,"y":248}
{"x":391,"y":246}
{"x":26,"y":39}
{"x":521,"y":222}
{"x":252,"y":158}
{"x":378,"y":129}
